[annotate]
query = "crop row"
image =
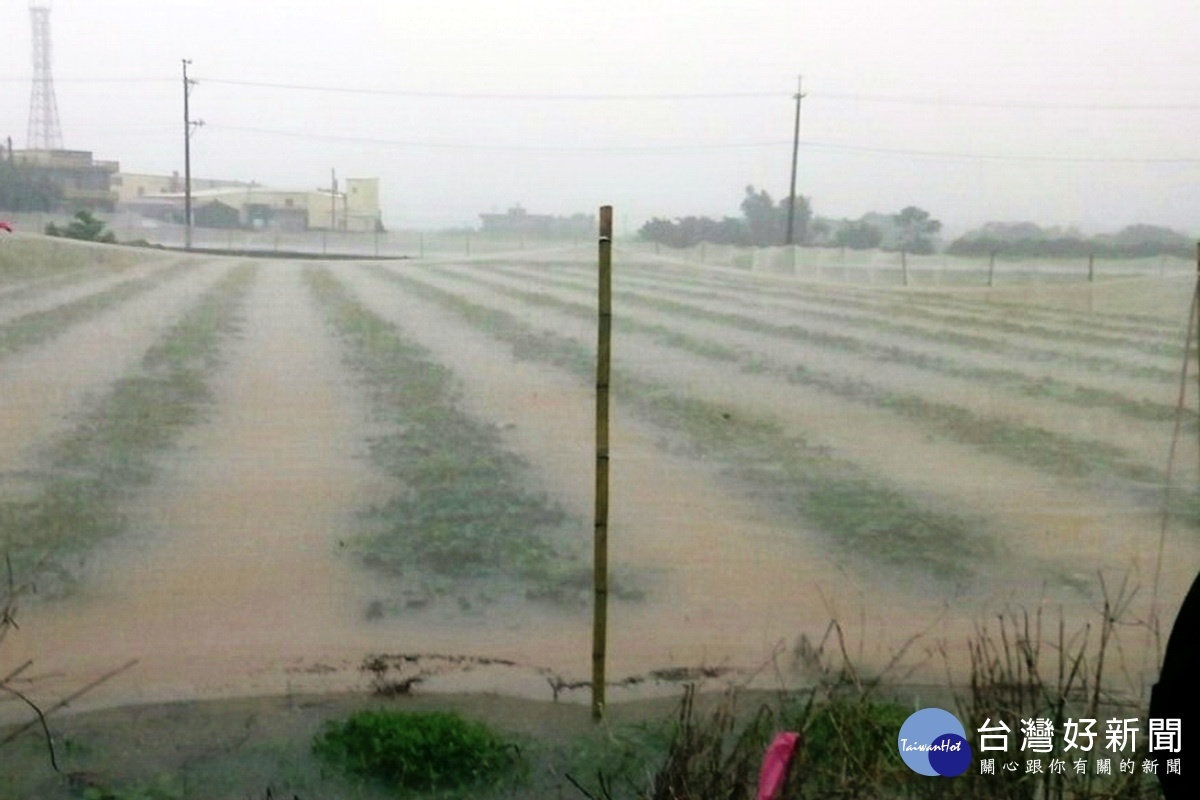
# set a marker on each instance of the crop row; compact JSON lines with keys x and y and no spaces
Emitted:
{"x":859,"y":511}
{"x":923,"y":316}
{"x":39,"y":326}
{"x":938,"y":337}
{"x":1012,"y":380}
{"x":40,"y":286}
{"x":1054,"y":453}
{"x":986,"y":307}
{"x":76,"y":496}
{"x":462,"y":515}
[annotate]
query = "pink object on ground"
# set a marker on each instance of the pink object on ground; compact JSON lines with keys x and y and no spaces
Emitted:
{"x":5,"y":226}
{"x":775,"y":765}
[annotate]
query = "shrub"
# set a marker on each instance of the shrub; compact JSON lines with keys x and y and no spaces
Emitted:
{"x":417,"y":751}
{"x":84,"y":227}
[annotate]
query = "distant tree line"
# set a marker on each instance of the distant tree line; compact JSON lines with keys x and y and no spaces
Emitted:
{"x":21,"y":191}
{"x":911,"y":230}
{"x":1026,"y":239}
{"x":763,"y":223}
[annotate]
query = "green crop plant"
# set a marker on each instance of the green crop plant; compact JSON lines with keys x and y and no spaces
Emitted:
{"x":463,"y":510}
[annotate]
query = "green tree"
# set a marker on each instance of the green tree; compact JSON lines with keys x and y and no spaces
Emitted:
{"x":859,"y":235}
{"x":766,"y":220}
{"x":763,"y":222}
{"x":917,"y":230}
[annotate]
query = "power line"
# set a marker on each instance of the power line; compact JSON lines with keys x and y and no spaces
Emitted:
{"x":960,"y":156}
{"x":649,"y":148}
{"x":830,"y":96}
{"x":25,"y":79}
{"x":1019,"y":105}
{"x":747,"y":95}
{"x":533,"y":96}
{"x":699,"y":147}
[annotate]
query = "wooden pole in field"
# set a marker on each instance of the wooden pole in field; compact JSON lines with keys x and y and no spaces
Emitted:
{"x":791,"y":215}
{"x":992,"y":269}
{"x":1091,"y":267}
{"x":600,"y":541}
{"x":187,"y":160}
{"x":904,"y":266}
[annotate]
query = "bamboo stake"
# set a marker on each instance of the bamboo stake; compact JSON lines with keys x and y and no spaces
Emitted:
{"x":600,"y":540}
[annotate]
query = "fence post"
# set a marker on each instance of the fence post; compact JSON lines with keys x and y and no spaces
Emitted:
{"x":1091,"y":267}
{"x":904,"y":266}
{"x":992,"y":269}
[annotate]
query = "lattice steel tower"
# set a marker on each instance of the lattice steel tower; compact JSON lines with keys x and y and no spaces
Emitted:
{"x":44,"y":130}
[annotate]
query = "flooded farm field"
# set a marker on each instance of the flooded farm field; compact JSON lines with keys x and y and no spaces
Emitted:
{"x":232,"y":478}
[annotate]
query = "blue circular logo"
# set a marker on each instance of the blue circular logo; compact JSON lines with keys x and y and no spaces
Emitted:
{"x":933,"y":742}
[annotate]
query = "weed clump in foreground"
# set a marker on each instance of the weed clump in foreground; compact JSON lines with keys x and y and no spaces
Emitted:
{"x":1020,"y":671}
{"x":418,"y":751}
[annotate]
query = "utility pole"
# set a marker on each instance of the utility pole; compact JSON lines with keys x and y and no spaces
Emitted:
{"x":188,"y":127}
{"x":791,"y":217}
{"x":332,"y":199}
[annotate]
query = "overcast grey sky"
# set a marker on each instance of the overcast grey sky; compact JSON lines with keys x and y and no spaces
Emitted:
{"x":1074,"y":112}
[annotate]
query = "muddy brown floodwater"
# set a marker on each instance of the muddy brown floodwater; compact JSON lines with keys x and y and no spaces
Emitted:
{"x":234,"y":580}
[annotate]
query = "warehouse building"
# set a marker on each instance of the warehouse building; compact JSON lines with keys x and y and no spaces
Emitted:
{"x":232,"y":204}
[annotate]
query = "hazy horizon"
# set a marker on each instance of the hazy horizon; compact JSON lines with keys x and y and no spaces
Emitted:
{"x":1077,"y":115}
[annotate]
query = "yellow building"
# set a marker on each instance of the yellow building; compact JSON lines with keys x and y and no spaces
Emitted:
{"x":356,"y":209}
{"x":133,"y":187}
{"x":230,"y":204}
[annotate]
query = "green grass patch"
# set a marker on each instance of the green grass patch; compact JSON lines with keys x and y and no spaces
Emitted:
{"x":419,"y":751}
{"x":76,"y":498}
